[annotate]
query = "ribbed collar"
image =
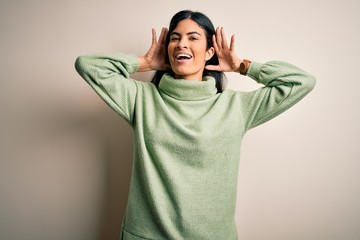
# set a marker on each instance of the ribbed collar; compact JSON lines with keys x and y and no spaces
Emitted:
{"x":188,"y":90}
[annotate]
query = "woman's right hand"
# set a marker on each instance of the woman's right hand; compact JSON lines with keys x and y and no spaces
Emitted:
{"x":155,"y":57}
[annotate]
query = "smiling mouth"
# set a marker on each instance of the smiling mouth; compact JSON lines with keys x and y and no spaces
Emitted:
{"x":183,"y":57}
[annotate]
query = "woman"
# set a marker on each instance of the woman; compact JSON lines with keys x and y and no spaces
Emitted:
{"x":188,"y":129}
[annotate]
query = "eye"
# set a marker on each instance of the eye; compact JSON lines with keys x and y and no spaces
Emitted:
{"x":193,"y":38}
{"x":174,"y":38}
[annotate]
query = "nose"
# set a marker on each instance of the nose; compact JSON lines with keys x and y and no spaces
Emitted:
{"x":183,"y":43}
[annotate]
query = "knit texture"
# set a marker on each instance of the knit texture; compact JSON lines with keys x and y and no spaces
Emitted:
{"x":187,"y":142}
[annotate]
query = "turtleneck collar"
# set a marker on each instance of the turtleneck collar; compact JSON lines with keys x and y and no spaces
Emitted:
{"x":188,"y":90}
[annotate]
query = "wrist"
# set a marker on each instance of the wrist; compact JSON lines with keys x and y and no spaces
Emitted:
{"x":244,"y":66}
{"x":143,"y":65}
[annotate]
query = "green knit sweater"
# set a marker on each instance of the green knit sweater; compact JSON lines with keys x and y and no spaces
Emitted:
{"x":187,"y":142}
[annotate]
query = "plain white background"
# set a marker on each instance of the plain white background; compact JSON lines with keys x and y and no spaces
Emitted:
{"x":65,"y":157}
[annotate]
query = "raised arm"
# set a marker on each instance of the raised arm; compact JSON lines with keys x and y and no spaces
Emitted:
{"x":109,"y":74}
{"x":285,"y":84}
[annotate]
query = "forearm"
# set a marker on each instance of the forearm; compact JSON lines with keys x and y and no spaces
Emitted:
{"x":277,"y":73}
{"x":97,"y":67}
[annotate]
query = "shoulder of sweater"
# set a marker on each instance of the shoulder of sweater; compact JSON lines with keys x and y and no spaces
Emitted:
{"x":145,"y":86}
{"x":236,"y":96}
{"x":232,"y":93}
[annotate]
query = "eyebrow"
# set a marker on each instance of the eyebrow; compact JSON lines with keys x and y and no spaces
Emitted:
{"x":189,"y":33}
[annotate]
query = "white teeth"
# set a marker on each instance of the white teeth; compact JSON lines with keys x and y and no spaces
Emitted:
{"x":182,"y":55}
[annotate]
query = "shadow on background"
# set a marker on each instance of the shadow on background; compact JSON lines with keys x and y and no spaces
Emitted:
{"x":117,"y":146}
{"x":113,"y":139}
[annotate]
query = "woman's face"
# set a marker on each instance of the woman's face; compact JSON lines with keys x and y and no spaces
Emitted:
{"x":187,"y":50}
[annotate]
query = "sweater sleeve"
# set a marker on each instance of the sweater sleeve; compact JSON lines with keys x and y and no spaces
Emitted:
{"x":285,"y":85}
{"x":109,"y":76}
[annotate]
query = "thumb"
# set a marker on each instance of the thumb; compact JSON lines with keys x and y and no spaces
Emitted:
{"x":213,"y":68}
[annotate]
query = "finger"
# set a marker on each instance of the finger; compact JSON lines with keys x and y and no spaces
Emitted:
{"x":232,"y":43}
{"x":162,"y":37}
{"x":218,"y":38}
{"x":215,"y":43}
{"x":213,"y":68}
{"x":153,"y":40}
{"x":165,"y":32}
{"x":223,"y":38}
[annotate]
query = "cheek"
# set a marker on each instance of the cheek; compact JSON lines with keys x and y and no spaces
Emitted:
{"x":201,"y":51}
{"x":201,"y":56}
{"x":171,"y":47}
{"x":170,"y":51}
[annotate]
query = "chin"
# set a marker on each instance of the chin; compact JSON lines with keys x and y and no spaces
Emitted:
{"x":180,"y":72}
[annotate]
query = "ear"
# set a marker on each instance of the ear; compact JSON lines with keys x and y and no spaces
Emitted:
{"x":209,"y":53}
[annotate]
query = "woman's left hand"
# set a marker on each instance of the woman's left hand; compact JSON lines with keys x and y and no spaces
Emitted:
{"x":228,"y":60}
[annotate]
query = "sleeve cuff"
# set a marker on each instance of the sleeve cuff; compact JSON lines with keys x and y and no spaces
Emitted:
{"x":132,"y":62}
{"x":254,"y":71}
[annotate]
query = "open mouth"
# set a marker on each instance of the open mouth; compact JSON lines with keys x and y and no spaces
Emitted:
{"x":183,"y":57}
